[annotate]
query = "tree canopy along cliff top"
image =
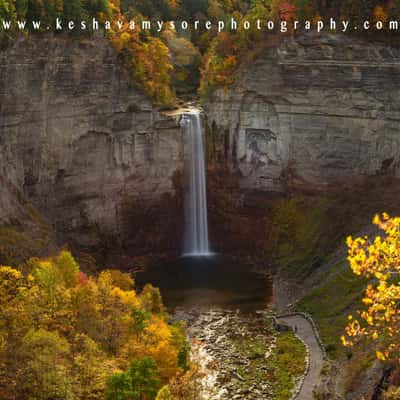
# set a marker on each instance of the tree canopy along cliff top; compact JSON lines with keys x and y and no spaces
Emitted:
{"x":176,"y":59}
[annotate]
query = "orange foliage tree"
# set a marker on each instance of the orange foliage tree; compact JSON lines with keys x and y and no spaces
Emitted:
{"x":146,"y":56}
{"x":380,"y":14}
{"x":287,"y":10}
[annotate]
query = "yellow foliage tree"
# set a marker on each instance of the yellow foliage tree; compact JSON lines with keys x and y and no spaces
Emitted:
{"x":164,"y":394}
{"x":379,"y":261}
{"x":63,"y":334}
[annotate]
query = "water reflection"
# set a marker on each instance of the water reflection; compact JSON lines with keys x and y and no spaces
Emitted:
{"x":209,"y":282}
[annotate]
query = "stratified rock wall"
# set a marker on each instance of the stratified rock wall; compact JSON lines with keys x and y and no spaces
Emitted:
{"x":313,"y":111}
{"x":78,"y":140}
{"x":94,"y":156}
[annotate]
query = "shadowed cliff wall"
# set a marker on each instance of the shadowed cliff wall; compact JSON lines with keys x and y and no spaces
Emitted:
{"x":85,"y":147}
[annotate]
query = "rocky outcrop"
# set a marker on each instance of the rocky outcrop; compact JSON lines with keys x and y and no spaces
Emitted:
{"x":85,"y":147}
{"x":312,"y":111}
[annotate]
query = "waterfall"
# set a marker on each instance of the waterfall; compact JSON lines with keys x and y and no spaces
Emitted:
{"x":196,"y":225}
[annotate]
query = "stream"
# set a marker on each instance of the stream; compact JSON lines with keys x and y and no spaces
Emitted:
{"x":227,"y":308}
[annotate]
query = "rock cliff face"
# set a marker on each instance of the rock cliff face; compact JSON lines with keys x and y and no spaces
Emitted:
{"x":84,"y":146}
{"x":103,"y":165}
{"x":312,"y":111}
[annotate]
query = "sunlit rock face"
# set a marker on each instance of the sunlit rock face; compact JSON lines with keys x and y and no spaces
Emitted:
{"x":76,"y":139}
{"x":312,"y":111}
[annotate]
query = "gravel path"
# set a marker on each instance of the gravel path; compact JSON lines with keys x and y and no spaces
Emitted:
{"x":306,"y":333}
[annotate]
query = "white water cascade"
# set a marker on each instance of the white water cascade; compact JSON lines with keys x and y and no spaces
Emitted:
{"x":196,"y":224}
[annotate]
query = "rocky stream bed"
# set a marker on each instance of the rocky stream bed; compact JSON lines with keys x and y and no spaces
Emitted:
{"x":236,"y":351}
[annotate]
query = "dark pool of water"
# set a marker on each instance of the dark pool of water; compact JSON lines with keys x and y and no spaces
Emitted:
{"x":209,"y":282}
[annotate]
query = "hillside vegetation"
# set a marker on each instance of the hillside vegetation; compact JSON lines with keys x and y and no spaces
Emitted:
{"x":66,"y":335}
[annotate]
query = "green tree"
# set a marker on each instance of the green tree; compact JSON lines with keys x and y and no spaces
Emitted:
{"x":7,"y":13}
{"x":142,"y":378}
{"x":73,"y":10}
{"x":119,"y":387}
{"x":180,"y":341}
{"x":47,"y":278}
{"x":7,"y":10}
{"x":140,"y":320}
{"x":34,"y":10}
{"x":95,"y":7}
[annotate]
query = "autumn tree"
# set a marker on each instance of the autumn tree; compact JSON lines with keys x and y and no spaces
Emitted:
{"x":91,"y":367}
{"x":44,"y":374}
{"x":215,"y":10}
{"x":283,"y":10}
{"x":220,"y":63}
{"x":14,"y":323}
{"x":164,"y":394}
{"x":378,"y":260}
{"x":380,"y":14}
{"x":151,"y":300}
{"x":123,"y":280}
{"x":186,"y":386}
{"x":63,"y":334}
{"x":148,"y":58}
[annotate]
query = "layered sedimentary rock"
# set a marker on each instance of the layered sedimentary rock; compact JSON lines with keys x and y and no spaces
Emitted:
{"x":77,"y":140}
{"x":94,"y":156}
{"x":312,"y":111}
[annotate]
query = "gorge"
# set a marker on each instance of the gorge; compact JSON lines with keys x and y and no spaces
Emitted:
{"x":309,"y":128}
{"x":284,"y":125}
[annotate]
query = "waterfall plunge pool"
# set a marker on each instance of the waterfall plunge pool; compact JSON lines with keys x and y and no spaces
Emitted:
{"x":209,"y":282}
{"x":201,"y":279}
